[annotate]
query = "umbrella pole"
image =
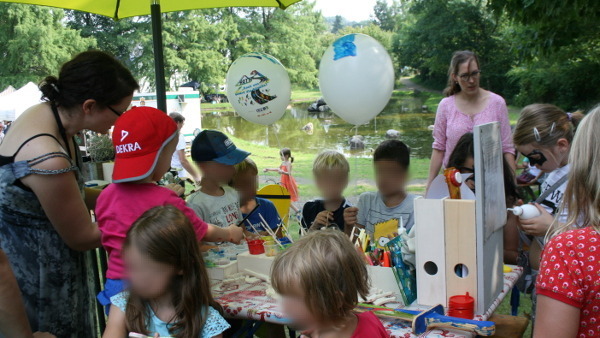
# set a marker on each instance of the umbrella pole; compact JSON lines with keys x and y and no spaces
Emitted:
{"x":159,"y":65}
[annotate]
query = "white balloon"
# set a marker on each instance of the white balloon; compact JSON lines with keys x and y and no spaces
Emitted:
{"x":258,"y":88}
{"x":356,"y":77}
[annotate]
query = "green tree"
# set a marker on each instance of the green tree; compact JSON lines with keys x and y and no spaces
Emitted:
{"x":292,"y":36}
{"x":125,"y":39}
{"x":442,"y":27}
{"x":196,"y":45}
{"x":35,"y":43}
{"x":554,"y":23}
{"x":386,"y":15}
{"x":338,"y":24}
{"x":558,"y":44}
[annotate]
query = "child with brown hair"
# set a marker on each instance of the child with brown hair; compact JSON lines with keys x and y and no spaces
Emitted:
{"x":254,"y":209}
{"x":320,"y":277}
{"x":169,"y":289}
{"x":285,"y":170}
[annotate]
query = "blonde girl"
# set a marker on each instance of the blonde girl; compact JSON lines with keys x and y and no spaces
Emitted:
{"x":320,"y":277}
{"x":568,"y":289}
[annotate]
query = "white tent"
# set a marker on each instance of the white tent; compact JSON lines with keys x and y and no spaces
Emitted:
{"x":15,"y":103}
{"x":8,"y":90}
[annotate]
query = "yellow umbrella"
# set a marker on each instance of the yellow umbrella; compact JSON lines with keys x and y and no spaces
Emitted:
{"x":119,"y":9}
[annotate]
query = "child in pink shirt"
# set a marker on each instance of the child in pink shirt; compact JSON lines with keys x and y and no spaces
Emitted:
{"x":144,"y":139}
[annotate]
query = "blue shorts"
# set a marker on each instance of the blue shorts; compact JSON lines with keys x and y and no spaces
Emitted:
{"x":111,"y":288}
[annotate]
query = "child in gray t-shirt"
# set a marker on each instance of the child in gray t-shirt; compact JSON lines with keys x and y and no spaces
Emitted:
{"x":382,"y":212}
{"x":216,"y":155}
{"x":221,"y":211}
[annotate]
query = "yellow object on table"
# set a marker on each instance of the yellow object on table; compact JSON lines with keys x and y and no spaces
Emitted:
{"x":271,"y":249}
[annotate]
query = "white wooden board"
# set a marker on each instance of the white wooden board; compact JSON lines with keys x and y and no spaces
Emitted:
{"x":490,"y":212}
{"x":430,"y":251}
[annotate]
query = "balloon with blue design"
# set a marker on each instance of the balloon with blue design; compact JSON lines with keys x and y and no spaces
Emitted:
{"x":356,"y":77}
{"x":258,"y":88}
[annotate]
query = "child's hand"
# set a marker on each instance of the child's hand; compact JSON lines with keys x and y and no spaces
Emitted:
{"x":537,"y":226}
{"x":236,"y":234}
{"x":179,"y":190}
{"x":350,"y":216}
{"x":265,"y":170}
{"x":323,"y":219}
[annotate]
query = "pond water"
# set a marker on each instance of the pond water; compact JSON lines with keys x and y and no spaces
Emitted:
{"x":404,"y":113}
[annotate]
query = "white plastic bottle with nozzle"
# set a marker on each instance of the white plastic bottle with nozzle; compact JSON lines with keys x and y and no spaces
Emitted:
{"x":526,"y":211}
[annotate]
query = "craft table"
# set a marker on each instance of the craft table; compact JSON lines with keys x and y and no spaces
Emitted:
{"x":249,"y":301}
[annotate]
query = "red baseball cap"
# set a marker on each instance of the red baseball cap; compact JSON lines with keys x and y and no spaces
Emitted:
{"x":139,"y":136}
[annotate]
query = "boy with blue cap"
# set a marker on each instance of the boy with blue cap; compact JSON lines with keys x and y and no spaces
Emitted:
{"x":216,"y":202}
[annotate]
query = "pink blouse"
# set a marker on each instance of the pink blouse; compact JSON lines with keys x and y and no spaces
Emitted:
{"x":451,"y":124}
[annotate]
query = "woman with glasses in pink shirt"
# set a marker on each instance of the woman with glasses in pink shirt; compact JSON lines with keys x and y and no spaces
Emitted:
{"x":465,"y":106}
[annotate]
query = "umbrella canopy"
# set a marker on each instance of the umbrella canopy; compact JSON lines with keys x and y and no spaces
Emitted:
{"x":119,"y":9}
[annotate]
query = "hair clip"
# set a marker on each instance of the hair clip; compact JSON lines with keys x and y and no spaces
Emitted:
{"x":569,"y":116}
{"x":552,"y":128}
{"x":55,"y":87}
{"x":537,"y":135}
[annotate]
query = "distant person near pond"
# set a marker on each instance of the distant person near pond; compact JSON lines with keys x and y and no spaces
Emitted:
{"x":41,"y":179}
{"x":287,"y":180}
{"x":466,"y":105}
{"x":180,"y":165}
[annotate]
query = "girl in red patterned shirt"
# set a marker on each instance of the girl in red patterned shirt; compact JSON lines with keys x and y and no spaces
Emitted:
{"x":568,"y":285}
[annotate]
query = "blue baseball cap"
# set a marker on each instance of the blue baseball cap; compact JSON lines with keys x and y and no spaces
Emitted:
{"x":212,"y":145}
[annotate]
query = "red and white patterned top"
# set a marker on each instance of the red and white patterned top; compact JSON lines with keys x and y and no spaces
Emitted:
{"x":570,"y":273}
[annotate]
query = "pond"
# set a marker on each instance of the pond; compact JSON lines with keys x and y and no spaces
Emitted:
{"x":404,"y":113}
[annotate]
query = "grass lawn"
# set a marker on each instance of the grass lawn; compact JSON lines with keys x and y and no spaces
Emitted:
{"x":302,"y":94}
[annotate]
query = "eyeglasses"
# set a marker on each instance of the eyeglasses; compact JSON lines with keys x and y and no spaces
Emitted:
{"x":467,"y":76}
{"x":114,"y":111}
{"x":536,"y":157}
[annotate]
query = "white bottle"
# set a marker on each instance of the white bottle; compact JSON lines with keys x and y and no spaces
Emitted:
{"x":526,"y":211}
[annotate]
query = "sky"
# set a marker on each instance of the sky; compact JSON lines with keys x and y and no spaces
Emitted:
{"x":352,"y":10}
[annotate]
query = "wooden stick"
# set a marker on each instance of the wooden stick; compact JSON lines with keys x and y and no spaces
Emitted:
{"x":286,"y":229}
{"x":352,"y":234}
{"x":253,"y":228}
{"x":269,"y":230}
